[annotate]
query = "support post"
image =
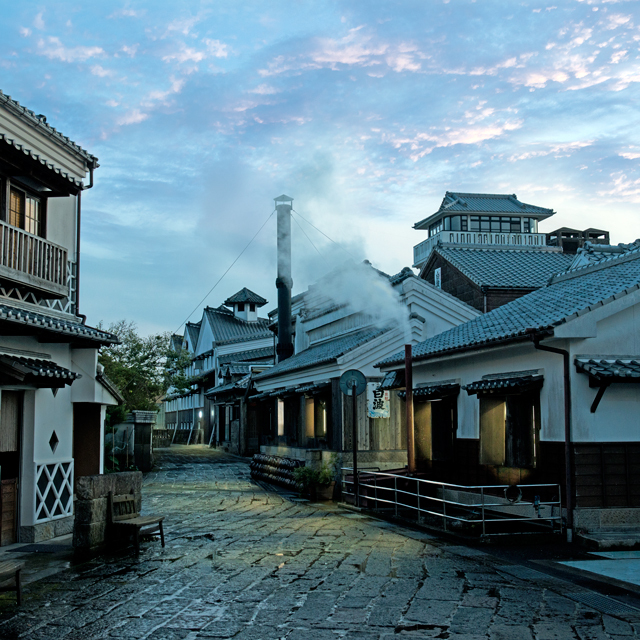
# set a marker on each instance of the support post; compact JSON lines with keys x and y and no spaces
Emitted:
{"x":408,"y":376}
{"x":354,"y":437}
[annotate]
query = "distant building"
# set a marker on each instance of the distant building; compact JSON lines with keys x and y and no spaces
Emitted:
{"x":224,"y":342}
{"x":486,"y":249}
{"x":53,"y":392}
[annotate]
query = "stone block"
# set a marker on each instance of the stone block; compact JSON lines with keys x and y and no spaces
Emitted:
{"x":89,"y":536}
{"x":88,"y":511}
{"x":619,"y":518}
{"x":92,"y":487}
{"x":63,"y":526}
{"x":127,"y":482}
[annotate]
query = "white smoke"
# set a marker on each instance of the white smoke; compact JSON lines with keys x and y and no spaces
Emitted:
{"x":362,"y":289}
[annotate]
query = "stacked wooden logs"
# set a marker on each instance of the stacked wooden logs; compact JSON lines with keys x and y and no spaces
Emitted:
{"x":275,"y":469}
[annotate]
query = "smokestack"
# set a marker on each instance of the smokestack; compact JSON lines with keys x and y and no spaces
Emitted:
{"x":284,"y":283}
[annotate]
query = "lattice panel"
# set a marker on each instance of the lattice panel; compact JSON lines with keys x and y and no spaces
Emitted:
{"x":65,"y":305}
{"x":54,"y":490}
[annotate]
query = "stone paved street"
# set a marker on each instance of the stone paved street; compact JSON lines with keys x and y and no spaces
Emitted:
{"x":245,"y":563}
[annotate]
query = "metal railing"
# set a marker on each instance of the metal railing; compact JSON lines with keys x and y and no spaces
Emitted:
{"x":422,"y":251}
{"x":44,"y":263}
{"x":469,"y":506}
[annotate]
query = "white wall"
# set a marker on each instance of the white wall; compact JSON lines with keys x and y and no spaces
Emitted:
{"x":61,"y":223}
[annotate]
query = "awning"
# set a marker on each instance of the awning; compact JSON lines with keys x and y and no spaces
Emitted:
{"x":43,"y":374}
{"x":433,"y":392}
{"x":603,"y":371}
{"x":392,"y":380}
{"x":309,"y":389}
{"x":612,"y":369}
{"x":509,"y":383}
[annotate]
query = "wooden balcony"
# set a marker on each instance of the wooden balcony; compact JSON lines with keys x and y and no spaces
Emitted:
{"x":32,"y":262}
{"x":477,"y":239}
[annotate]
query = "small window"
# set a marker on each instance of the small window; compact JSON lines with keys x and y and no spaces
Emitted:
{"x":252,"y":307}
{"x":25,"y":212}
{"x":240,"y":306}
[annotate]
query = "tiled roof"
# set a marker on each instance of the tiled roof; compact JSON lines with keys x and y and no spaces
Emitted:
{"x":227,"y":328}
{"x":392,"y":380}
{"x":506,"y":268}
{"x":434,"y":391}
{"x":238,"y":385}
{"x":55,"y":325}
{"x":176,"y":342}
{"x":485,"y":203}
{"x":245,"y":356}
{"x":505,"y":383}
{"x":192,"y":330}
{"x":593,"y":253}
{"x":568,"y":296}
{"x":322,"y":353}
{"x":245,"y":295}
{"x":40,"y":123}
{"x":234,"y":369}
{"x":37,"y":368}
{"x":609,"y":368}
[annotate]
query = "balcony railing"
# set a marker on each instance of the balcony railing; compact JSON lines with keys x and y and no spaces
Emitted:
{"x":483,"y":238}
{"x":33,"y":262}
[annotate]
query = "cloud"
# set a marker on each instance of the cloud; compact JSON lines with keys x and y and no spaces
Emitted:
{"x":25,"y":32}
{"x":558,"y":150}
{"x":213,"y":48}
{"x":101,"y":72}
{"x":130,"y":50}
{"x":128,"y":13}
{"x":135,"y":116}
{"x":52,"y":48}
{"x":38,"y":21}
{"x":264,"y":90}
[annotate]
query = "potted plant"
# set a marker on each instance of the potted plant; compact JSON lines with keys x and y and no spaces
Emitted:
{"x":318,"y":484}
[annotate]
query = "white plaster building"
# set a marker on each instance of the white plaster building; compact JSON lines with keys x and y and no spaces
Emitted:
{"x":490,"y":394}
{"x":53,"y":394}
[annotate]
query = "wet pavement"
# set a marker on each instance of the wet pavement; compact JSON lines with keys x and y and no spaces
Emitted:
{"x":242,"y":562}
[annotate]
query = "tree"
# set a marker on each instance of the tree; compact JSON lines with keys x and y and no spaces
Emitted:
{"x":136,"y":366}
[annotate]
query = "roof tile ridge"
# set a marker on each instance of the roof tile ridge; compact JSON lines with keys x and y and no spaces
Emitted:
{"x":590,"y":268}
{"x":30,"y":115}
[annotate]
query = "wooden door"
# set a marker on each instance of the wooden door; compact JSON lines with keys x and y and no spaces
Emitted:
{"x":8,"y":511}
{"x":10,"y":420}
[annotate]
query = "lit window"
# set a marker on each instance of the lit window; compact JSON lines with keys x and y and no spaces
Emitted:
{"x":25,"y":212}
{"x":280,"y":417}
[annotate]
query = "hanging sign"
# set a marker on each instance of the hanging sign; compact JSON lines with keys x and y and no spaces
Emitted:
{"x":377,"y":401}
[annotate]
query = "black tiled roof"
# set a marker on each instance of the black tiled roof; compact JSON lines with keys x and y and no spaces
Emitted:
{"x":37,"y":368}
{"x":514,"y":268}
{"x":485,"y":203}
{"x":245,"y":356}
{"x":227,"y":328}
{"x":505,"y":383}
{"x":610,"y":368}
{"x":568,"y":296}
{"x":322,"y":353}
{"x":192,"y":329}
{"x":55,"y":325}
{"x":245,"y":295}
{"x":434,"y":391}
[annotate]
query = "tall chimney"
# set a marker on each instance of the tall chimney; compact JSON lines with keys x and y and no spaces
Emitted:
{"x":284,"y":283}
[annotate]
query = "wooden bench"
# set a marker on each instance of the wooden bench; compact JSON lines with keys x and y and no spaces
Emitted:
{"x":124,"y":515}
{"x":11,"y":569}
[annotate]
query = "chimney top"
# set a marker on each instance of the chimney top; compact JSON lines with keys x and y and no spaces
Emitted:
{"x":283,"y":198}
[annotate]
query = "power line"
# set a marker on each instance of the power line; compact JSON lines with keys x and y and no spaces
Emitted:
{"x":227,"y":271}
{"x":307,"y":237}
{"x":325,"y":235}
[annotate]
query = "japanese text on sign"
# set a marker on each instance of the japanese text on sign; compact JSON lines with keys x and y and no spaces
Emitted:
{"x":377,"y":401}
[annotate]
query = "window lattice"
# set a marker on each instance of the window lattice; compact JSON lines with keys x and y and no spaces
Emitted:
{"x":54,"y":492}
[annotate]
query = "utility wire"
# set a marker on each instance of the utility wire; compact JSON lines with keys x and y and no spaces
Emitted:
{"x":227,"y":271}
{"x":325,"y":235}
{"x":308,"y":238}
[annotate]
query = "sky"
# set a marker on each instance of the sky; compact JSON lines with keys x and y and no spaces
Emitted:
{"x":365,"y":112}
